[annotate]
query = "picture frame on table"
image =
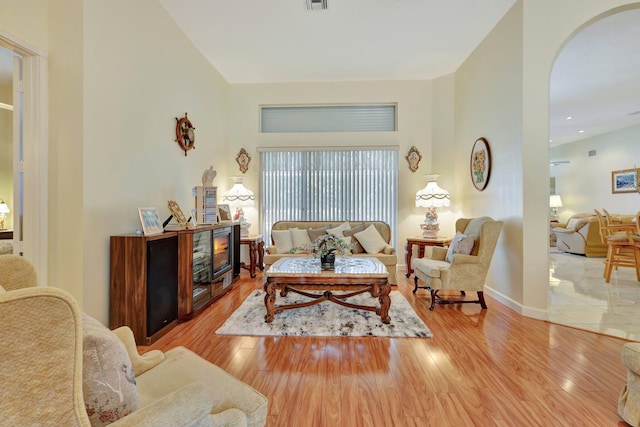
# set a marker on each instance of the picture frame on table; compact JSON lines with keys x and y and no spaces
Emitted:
{"x":480,"y":164}
{"x":224,"y":213}
{"x":150,"y":221}
{"x":624,"y":181}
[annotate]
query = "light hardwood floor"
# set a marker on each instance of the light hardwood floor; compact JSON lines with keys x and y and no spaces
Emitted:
{"x":481,"y":368}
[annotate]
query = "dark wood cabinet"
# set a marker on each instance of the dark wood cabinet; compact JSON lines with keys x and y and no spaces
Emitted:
{"x":144,"y":284}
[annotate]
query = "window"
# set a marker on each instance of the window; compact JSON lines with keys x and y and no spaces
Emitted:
{"x":324,"y":185}
{"x":338,"y":118}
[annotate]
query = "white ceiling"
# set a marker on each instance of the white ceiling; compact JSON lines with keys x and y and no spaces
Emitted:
{"x":595,"y":80}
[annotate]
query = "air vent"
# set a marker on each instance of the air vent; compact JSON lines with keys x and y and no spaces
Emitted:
{"x":592,"y":153}
{"x":316,"y":4}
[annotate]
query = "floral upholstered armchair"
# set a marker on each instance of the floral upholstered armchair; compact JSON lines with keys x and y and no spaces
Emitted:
{"x":60,"y":367}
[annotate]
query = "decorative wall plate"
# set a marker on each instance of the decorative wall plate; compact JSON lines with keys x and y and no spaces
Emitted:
{"x":185,"y":133}
{"x":413,"y":157}
{"x":480,"y":164}
{"x":243,"y":160}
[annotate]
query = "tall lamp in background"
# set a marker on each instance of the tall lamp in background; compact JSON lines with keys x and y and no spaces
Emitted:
{"x":4,"y":210}
{"x":241,"y":197}
{"x":555,"y":202}
{"x":431,"y":197}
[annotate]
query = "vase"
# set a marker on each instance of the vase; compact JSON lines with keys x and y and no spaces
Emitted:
{"x":328,"y":261}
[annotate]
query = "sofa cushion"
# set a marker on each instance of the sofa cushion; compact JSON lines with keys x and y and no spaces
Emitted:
{"x":300,"y":238}
{"x":371,"y":240}
{"x":357,"y":247}
{"x":108,"y":382}
{"x":282,"y":240}
{"x":339,"y":230}
{"x":314,"y":233}
{"x":461,"y":244}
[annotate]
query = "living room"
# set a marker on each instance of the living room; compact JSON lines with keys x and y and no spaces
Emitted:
{"x":120,"y":72}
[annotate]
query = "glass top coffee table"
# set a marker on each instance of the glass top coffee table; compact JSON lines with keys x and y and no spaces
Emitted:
{"x":351,"y":276}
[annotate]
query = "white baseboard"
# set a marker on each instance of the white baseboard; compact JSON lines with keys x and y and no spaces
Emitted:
{"x":534,"y":313}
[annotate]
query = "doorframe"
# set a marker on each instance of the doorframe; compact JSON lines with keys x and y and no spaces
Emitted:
{"x":35,"y":155}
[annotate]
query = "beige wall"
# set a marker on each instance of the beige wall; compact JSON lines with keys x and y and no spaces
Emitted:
{"x":585,"y":183}
{"x":414,"y":100}
{"x":6,"y":153}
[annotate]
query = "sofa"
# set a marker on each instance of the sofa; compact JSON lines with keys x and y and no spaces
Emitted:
{"x":387,"y":255}
{"x":580,"y":235}
{"x":60,"y":367}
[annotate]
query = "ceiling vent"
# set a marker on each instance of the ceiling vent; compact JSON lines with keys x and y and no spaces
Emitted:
{"x":316,"y":4}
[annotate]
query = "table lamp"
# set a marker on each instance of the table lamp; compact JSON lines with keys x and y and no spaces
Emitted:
{"x":4,"y":210}
{"x":431,"y":197}
{"x":555,"y":202}
{"x":240,"y":196}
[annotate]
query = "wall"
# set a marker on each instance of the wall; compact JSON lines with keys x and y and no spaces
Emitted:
{"x":585,"y":183}
{"x":140,"y":73}
{"x":488,"y":99}
{"x":414,"y":99}
{"x":6,"y":153}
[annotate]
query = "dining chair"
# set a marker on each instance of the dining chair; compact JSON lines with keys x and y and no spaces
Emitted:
{"x":623,"y":246}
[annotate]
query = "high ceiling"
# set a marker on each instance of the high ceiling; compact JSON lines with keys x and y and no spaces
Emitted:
{"x":595,"y":80}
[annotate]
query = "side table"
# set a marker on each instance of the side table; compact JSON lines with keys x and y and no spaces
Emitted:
{"x":421,"y":242}
{"x":256,"y":253}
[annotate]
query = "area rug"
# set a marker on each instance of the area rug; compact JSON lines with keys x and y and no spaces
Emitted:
{"x":325,"y":319}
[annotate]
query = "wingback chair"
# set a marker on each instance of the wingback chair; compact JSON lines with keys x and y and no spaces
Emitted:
{"x":60,"y":367}
{"x":464,"y":271}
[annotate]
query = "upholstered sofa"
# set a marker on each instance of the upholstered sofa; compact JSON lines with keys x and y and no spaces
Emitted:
{"x":387,"y":255}
{"x":629,"y":399}
{"x":580,"y":235}
{"x":59,"y":367}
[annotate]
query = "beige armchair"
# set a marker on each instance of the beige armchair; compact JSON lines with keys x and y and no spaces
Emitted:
{"x":47,"y":348}
{"x":629,"y":399}
{"x":464,"y":272}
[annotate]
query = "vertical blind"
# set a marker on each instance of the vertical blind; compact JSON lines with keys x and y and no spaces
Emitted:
{"x":325,"y":185}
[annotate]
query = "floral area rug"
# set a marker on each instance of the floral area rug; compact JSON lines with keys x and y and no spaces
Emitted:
{"x":325,"y":319}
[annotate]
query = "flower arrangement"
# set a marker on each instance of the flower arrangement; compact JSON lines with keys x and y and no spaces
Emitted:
{"x":326,"y":244}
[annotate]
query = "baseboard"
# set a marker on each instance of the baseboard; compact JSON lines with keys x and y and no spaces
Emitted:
{"x":534,"y":313}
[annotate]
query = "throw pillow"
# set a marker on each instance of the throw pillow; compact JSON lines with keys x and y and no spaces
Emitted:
{"x":572,"y":224}
{"x":371,"y":240}
{"x":339,"y":230}
{"x":282,"y":240}
{"x":357,"y":247}
{"x":108,"y":382}
{"x":300,"y":238}
{"x":314,"y":233}
{"x":461,"y":244}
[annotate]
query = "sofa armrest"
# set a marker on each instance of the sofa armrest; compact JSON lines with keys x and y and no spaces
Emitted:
{"x":185,"y":406}
{"x":563,"y":230}
{"x":140,"y":363}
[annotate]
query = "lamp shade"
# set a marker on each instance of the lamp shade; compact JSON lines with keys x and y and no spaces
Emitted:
{"x":4,"y":208}
{"x":432,"y":195}
{"x":555,"y":201}
{"x":239,"y":195}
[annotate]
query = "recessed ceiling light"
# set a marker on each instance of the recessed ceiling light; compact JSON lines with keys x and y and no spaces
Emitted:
{"x":316,"y":4}
{"x":551,"y":140}
{"x":580,"y":131}
{"x":568,"y":118}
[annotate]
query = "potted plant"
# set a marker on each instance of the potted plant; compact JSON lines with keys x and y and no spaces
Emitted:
{"x":325,"y":248}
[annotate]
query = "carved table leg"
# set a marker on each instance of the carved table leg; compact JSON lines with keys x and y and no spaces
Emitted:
{"x":269,"y":301}
{"x":408,"y":248}
{"x":261,"y":255}
{"x":385,"y":302}
{"x":252,"y":258}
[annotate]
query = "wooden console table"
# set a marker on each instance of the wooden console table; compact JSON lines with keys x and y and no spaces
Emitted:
{"x":421,"y":242}
{"x":256,"y":253}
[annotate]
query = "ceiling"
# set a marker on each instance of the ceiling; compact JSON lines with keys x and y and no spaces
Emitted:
{"x":595,"y":80}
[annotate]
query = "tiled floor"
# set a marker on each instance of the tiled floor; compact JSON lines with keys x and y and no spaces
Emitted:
{"x":579,"y":296}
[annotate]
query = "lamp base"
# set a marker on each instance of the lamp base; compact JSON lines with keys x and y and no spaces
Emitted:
{"x":430,"y":231}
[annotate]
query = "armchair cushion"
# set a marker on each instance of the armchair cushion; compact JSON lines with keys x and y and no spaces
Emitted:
{"x":461,"y":244}
{"x":108,"y":381}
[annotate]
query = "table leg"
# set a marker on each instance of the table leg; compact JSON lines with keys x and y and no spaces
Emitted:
{"x":261,"y":255}
{"x":385,"y":303}
{"x":269,"y":300}
{"x":408,"y":248}
{"x":252,"y":257}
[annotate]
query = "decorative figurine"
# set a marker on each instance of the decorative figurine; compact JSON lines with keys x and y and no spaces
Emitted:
{"x":208,"y":176}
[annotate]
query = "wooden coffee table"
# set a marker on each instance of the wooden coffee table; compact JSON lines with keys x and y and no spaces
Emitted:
{"x":353,"y":275}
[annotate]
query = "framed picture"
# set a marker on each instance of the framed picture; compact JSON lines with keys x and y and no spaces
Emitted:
{"x":224,"y":212}
{"x":193,"y":219}
{"x":150,"y":221}
{"x":624,"y":181}
{"x":177,"y":213}
{"x":480,"y":164}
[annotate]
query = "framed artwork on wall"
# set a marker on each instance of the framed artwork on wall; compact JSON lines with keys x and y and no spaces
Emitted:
{"x":480,"y":164}
{"x":150,"y":221}
{"x":624,"y":181}
{"x":224,"y":213}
